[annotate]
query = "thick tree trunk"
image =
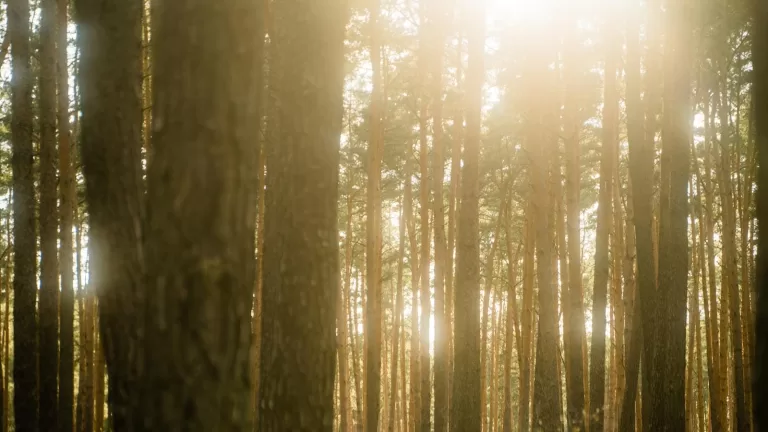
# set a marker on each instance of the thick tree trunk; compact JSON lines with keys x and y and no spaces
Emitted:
{"x":301,"y":241}
{"x":109,"y":74}
{"x":760,"y":97}
{"x":373,"y":243}
{"x":49,"y":278}
{"x":25,"y":345}
{"x":602,"y":262}
{"x":67,"y":202}
{"x":465,"y":399}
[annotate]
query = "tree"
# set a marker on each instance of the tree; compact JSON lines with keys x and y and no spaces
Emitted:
{"x":465,"y":398}
{"x":602,"y":261}
{"x":301,"y":240}
{"x":49,"y":278}
{"x":760,"y":95}
{"x":25,"y":347}
{"x":67,"y":203}
{"x":669,"y":406}
{"x":373,"y":243}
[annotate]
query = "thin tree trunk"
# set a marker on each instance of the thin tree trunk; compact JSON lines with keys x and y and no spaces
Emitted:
{"x":346,"y":423}
{"x":487,"y":294}
{"x":67,"y":202}
{"x":602,"y":263}
{"x":49,"y":278}
{"x":465,"y":409}
{"x":98,"y":381}
{"x":373,"y":312}
{"x":575,"y":330}
{"x":415,"y":276}
{"x":397,"y":312}
{"x":441,"y":337}
{"x":353,"y":332}
{"x":510,"y":325}
{"x":529,"y":247}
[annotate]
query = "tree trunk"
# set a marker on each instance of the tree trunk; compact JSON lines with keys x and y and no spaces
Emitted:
{"x":301,"y":241}
{"x":67,"y":202}
{"x":465,"y":399}
{"x":98,"y":381}
{"x":441,"y":352}
{"x":668,"y":410}
{"x":49,"y":278}
{"x":374,"y":237}
{"x":574,"y":330}
{"x":760,"y":97}
{"x":539,"y":145}
{"x":109,"y":74}
{"x":346,"y":423}
{"x":529,"y":247}
{"x":489,"y":272}
{"x":25,"y":348}
{"x":397,"y":313}
{"x":510,"y":325}
{"x":415,"y":276}
{"x":602,"y":263}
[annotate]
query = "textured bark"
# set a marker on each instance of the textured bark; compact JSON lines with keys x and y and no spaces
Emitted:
{"x":465,"y":399}
{"x":49,"y":277}
{"x":109,"y":76}
{"x":575,"y":330}
{"x":668,"y":409}
{"x":25,"y":345}
{"x":301,"y":244}
{"x":602,"y":262}
{"x":67,"y":202}
{"x":373,"y":312}
{"x":760,"y":95}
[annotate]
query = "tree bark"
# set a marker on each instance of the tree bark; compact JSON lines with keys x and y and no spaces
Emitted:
{"x":49,"y":278}
{"x":465,"y":399}
{"x":396,"y":316}
{"x":668,"y":410}
{"x":575,"y":330}
{"x":373,"y":314}
{"x":301,"y":243}
{"x":109,"y":74}
{"x":25,"y":345}
{"x":602,"y":263}
{"x":67,"y":202}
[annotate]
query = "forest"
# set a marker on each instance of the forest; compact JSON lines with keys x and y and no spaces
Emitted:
{"x":383,"y":215}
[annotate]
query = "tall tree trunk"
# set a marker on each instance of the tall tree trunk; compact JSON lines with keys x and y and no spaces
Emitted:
{"x":529,"y":247}
{"x":301,"y":241}
{"x":396,"y":317}
{"x":441,"y":337}
{"x":488,"y":293}
{"x":575,"y":330}
{"x":346,"y":423}
{"x":373,"y":324}
{"x":465,"y":399}
{"x":49,"y":278}
{"x":98,"y":381}
{"x":669,"y":402}
{"x":109,"y":74}
{"x":760,"y":97}
{"x":354,"y":339}
{"x":415,"y":276}
{"x":618,"y":368}
{"x":25,"y":346}
{"x":602,"y":263}
{"x":67,"y":202}
{"x":509,"y":335}
{"x":540,"y":144}
{"x":425,"y":417}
